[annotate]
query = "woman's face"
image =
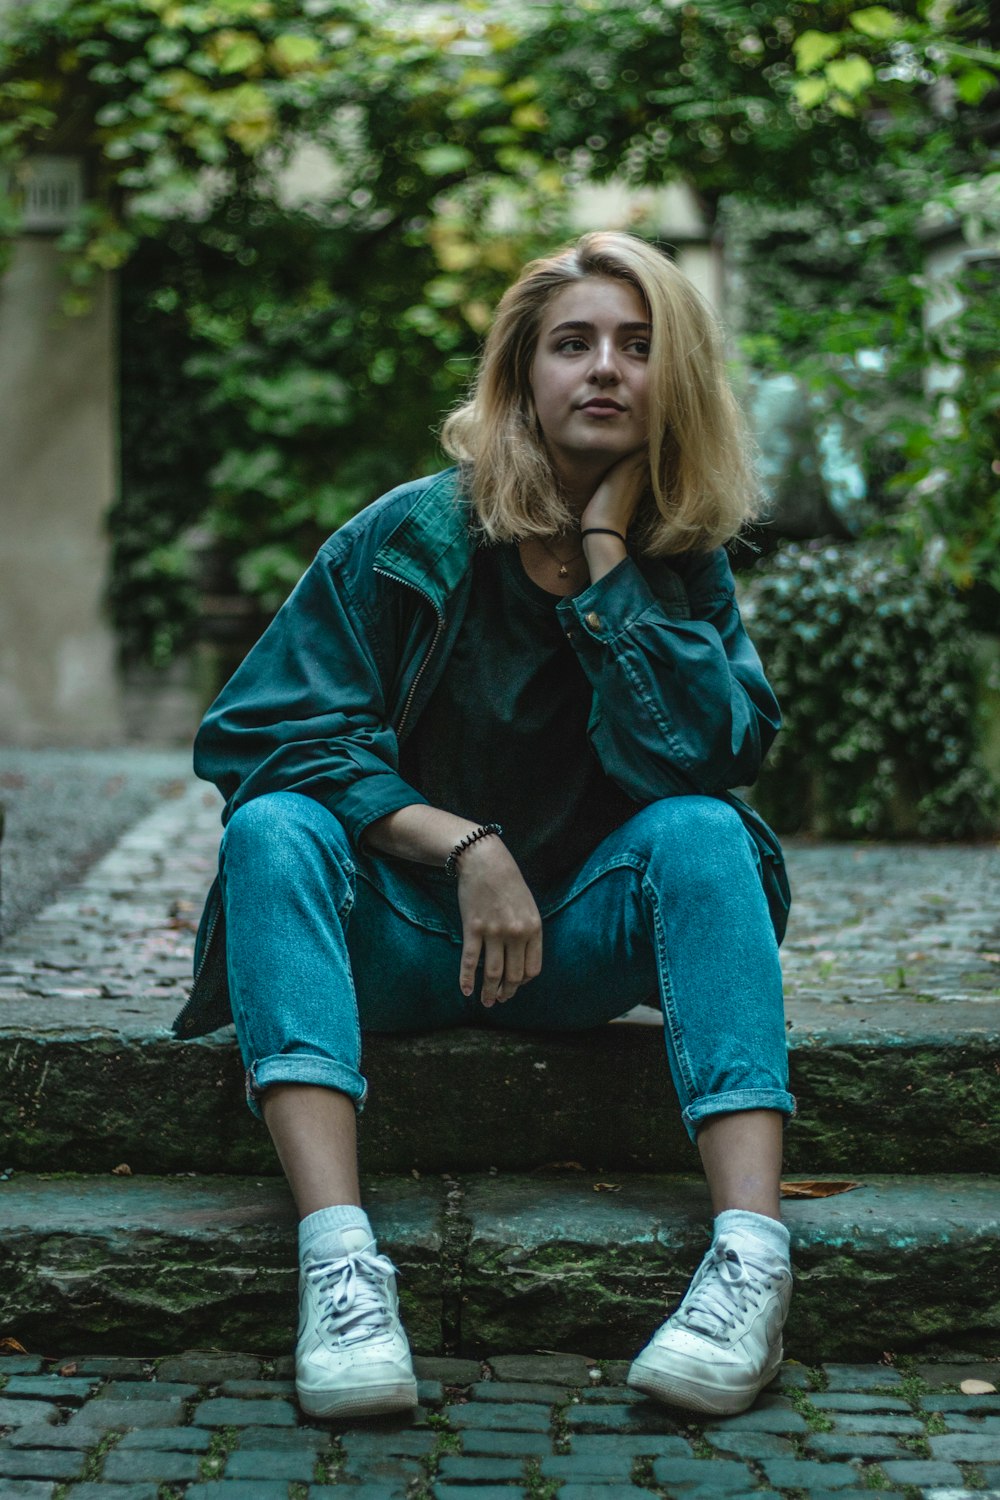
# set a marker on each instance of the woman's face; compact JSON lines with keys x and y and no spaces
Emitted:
{"x":589,"y":375}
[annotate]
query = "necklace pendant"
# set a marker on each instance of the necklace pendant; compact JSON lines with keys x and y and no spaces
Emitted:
{"x":563,"y":570}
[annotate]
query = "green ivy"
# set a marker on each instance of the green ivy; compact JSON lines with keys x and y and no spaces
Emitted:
{"x":950,"y":489}
{"x":872,"y":665}
{"x":286,"y":359}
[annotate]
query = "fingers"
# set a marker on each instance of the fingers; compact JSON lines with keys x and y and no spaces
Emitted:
{"x":533,"y":955}
{"x":493,"y":971}
{"x":522,"y":961}
{"x":472,"y":945}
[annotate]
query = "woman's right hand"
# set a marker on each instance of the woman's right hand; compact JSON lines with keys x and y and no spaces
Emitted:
{"x":500,"y":922}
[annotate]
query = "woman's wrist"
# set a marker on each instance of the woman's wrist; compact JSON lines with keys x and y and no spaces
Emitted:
{"x":602,"y":531}
{"x":484,"y":831}
{"x":418,"y":832}
{"x":603,"y":549}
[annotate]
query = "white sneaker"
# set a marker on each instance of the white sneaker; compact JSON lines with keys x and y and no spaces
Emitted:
{"x":352,"y":1358}
{"x":723,"y":1344}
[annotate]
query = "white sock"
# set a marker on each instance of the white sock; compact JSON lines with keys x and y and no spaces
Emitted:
{"x":770,"y":1232}
{"x":327,"y":1221}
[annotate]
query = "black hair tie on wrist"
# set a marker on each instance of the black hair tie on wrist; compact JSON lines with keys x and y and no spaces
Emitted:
{"x":482,"y":832}
{"x":602,"y":531}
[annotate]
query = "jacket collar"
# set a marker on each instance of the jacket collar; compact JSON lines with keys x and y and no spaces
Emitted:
{"x":431,"y":548}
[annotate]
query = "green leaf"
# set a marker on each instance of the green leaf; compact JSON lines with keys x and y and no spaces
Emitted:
{"x":851,"y":74}
{"x":239,"y":53}
{"x":292,"y":52}
{"x":877,"y":22}
{"x":810,"y":91}
{"x":973,"y":86}
{"x":813,"y":48}
{"x":529,"y":117}
{"x":442,"y":161}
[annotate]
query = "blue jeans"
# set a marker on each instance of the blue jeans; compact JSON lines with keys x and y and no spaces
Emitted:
{"x":324,"y":943}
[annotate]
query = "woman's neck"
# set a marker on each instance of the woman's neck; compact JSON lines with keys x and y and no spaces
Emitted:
{"x":578,"y":483}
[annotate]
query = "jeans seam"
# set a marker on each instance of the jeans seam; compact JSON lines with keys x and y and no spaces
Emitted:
{"x":436,"y":925}
{"x":624,"y":861}
{"x":671,"y":1026}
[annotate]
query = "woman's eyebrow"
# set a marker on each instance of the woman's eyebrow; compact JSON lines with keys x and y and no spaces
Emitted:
{"x":586,"y":327}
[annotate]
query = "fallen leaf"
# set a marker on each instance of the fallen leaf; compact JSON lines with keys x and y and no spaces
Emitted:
{"x":977,"y":1388}
{"x":11,"y":1346}
{"x":69,"y":1369}
{"x":809,"y":1188}
{"x":607,"y":1187}
{"x":122,"y":1170}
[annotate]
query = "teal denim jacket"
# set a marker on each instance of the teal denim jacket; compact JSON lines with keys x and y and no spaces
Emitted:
{"x":327,"y":695}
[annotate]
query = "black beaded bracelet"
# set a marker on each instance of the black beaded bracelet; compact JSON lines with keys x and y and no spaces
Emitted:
{"x":482,"y":832}
{"x":602,"y":531}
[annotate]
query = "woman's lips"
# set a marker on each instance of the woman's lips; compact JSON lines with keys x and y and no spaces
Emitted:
{"x":602,"y":408}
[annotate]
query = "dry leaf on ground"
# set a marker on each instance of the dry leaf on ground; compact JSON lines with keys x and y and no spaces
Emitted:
{"x":810,"y":1188}
{"x":607,"y":1187}
{"x":977,"y":1388}
{"x":11,"y":1346}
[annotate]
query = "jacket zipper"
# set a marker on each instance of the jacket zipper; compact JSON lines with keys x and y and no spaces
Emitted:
{"x":206,"y":950}
{"x":430,"y":650}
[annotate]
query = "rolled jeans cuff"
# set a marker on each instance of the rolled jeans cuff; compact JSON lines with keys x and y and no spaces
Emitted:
{"x":324,"y":1072}
{"x":733,"y":1102}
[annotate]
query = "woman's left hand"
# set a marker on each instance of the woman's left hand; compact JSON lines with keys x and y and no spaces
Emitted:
{"x":616,"y":499}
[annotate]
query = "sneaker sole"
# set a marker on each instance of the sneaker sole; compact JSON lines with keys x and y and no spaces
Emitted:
{"x":359,"y":1401}
{"x":678,"y":1390}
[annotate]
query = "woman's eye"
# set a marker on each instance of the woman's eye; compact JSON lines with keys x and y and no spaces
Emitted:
{"x":639,"y":346}
{"x":571,"y":346}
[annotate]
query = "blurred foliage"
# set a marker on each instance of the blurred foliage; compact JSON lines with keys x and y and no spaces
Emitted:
{"x":317,"y":203}
{"x":153,"y":592}
{"x":835,"y":293}
{"x":873,"y":665}
{"x":951,"y":485}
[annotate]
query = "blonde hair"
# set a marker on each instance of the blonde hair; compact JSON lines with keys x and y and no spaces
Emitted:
{"x":702,"y":489}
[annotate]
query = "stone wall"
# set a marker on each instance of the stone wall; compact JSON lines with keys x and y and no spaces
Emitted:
{"x":58,"y":677}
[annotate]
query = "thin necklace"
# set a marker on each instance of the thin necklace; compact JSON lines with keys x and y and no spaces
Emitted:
{"x":563,"y":562}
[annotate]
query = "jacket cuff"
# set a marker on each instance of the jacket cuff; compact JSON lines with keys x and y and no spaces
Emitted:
{"x":608,"y":607}
{"x":370,"y":798}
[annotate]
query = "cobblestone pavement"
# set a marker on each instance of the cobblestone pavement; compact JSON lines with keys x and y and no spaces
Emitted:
{"x":65,"y":808}
{"x":871,"y":924}
{"x":204,"y":1424}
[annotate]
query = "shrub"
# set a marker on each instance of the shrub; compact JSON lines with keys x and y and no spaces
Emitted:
{"x":873,"y":666}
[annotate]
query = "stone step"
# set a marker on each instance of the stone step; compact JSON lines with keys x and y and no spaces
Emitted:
{"x":143,"y":1265}
{"x":906,"y":1089}
{"x":892,"y":971}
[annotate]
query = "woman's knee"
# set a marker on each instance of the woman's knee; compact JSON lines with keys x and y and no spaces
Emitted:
{"x":699,"y":844}
{"x":281,"y":826}
{"x":693,"y":825}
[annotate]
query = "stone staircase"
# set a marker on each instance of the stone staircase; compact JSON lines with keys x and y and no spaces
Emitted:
{"x":537,"y":1193}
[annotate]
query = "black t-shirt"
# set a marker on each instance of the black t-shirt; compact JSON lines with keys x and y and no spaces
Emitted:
{"x":504,"y":735}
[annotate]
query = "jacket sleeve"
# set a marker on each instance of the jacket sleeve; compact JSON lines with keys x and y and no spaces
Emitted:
{"x":306,"y":712}
{"x":680,"y":704}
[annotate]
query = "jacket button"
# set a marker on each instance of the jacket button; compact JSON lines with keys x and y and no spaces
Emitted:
{"x":594,"y":621}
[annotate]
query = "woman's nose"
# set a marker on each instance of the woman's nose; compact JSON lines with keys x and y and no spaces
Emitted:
{"x":605,"y":367}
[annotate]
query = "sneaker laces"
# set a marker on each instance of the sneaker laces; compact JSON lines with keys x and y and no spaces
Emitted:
{"x":730,"y":1279}
{"x":353,"y":1289}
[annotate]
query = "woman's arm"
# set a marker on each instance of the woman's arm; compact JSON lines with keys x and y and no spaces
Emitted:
{"x":306,"y":712}
{"x":681,"y":704}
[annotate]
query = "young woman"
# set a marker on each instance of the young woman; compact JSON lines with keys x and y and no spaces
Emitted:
{"x":477,"y":771}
